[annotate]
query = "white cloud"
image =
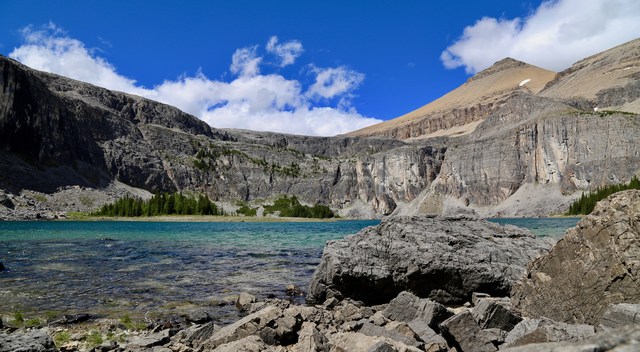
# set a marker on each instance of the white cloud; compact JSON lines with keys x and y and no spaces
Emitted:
{"x":245,"y":62}
{"x":267,"y":102}
{"x":334,"y":81}
{"x":556,"y":35}
{"x":287,"y":52}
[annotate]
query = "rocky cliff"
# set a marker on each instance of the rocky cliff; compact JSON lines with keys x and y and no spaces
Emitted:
{"x":57,"y":134}
{"x":498,"y":145}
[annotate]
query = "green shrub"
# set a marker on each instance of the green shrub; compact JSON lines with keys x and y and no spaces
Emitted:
{"x":61,"y":338}
{"x":291,"y":207}
{"x":585,"y":204}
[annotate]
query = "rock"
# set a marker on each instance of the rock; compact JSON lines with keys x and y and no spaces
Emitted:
{"x":196,"y":334}
{"x":293,"y":290}
{"x":546,"y":330}
{"x":462,"y":331}
{"x":596,"y":264}
{"x":495,"y":313}
{"x":6,"y":201}
{"x":396,"y":331}
{"x":617,"y":315}
{"x":249,"y":343}
{"x":271,"y":324}
{"x":444,"y":259}
{"x":623,"y":339}
{"x":27,"y":341}
{"x":69,"y":319}
{"x":407,"y":307}
{"x":310,"y":339}
{"x":426,"y":334}
{"x":357,"y":342}
{"x":244,"y":301}
{"x":198,"y":316}
{"x":150,"y":340}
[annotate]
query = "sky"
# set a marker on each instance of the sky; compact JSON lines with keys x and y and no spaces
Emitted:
{"x":303,"y":67}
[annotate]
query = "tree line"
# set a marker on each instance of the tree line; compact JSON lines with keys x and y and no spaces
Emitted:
{"x":161,"y":204}
{"x":585,"y":204}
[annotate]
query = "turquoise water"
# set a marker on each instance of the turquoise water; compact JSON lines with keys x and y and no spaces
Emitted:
{"x":109,"y":267}
{"x":543,"y":227}
{"x":167,"y":267}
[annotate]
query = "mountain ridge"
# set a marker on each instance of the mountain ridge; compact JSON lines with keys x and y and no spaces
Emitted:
{"x":71,"y":146}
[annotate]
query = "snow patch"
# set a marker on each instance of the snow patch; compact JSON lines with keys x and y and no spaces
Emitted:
{"x":524,"y":82}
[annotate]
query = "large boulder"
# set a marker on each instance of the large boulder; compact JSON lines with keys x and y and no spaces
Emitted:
{"x":596,"y":264}
{"x":27,"y":341}
{"x":444,"y":259}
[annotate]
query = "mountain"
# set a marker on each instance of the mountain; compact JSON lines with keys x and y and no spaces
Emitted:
{"x":460,"y":111}
{"x":514,"y":140}
{"x":66,"y":145}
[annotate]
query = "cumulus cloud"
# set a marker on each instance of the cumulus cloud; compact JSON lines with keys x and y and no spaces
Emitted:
{"x":251,"y":100}
{"x":557,"y":34}
{"x":245,"y":62}
{"x":287,"y":52}
{"x":334,"y":81}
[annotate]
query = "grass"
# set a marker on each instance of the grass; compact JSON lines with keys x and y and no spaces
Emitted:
{"x":61,"y":338}
{"x":131,"y":324}
{"x":94,"y":338}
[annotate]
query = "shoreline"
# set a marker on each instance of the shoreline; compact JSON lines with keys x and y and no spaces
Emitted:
{"x":202,"y":218}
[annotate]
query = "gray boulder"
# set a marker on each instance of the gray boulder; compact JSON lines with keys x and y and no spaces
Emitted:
{"x":27,"y":341}
{"x":596,"y":264}
{"x":531,"y":331}
{"x":444,"y":259}
{"x":617,"y":315}
{"x":495,"y":313}
{"x":625,"y":339}
{"x":407,"y":307}
{"x":462,"y":331}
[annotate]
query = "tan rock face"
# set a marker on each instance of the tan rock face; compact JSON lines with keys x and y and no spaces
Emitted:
{"x":596,"y":264}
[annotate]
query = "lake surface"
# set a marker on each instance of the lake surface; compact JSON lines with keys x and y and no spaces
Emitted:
{"x":167,"y":268}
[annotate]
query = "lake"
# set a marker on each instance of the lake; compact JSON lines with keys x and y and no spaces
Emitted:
{"x":167,"y":268}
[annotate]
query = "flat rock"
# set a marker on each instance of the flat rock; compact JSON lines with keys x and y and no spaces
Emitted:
{"x":617,"y":315}
{"x":493,"y":313}
{"x":444,"y":259}
{"x":531,"y":331}
{"x":624,"y":339}
{"x":596,"y":264}
{"x":27,"y":341}
{"x":463,"y":332}
{"x":150,"y":340}
{"x":357,"y":342}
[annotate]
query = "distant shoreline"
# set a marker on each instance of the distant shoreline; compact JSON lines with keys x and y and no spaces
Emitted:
{"x":200,"y":218}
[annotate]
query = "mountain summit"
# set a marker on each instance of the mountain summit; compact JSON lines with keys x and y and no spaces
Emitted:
{"x":461,"y":110}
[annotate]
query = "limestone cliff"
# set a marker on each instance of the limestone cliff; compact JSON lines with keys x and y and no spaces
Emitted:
{"x":512,"y":141}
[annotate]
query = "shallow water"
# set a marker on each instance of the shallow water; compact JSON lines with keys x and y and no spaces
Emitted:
{"x":167,"y":268}
{"x":110,"y":267}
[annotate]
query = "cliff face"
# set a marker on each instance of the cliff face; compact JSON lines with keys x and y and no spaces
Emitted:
{"x":523,"y":151}
{"x":56,"y":133}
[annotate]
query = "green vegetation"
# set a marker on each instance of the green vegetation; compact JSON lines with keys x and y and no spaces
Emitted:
{"x":94,"y":338}
{"x":205,"y":159}
{"x":246,"y":210}
{"x":291,"y":207}
{"x":160,"y":204}
{"x":604,"y":113}
{"x":18,"y":319}
{"x":130,"y":324}
{"x":61,"y":338}
{"x":585,"y":204}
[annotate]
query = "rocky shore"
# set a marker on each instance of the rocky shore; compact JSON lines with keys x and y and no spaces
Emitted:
{"x":424,"y":284}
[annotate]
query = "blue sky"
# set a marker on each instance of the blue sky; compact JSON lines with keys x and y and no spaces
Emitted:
{"x":307,"y":67}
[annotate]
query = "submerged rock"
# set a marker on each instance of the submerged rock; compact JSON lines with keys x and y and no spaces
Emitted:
{"x":444,"y":259}
{"x":596,"y":264}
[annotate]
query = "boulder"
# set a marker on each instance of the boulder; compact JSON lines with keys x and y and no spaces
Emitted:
{"x":545,"y":330}
{"x":244,"y":301}
{"x":357,"y":342}
{"x":444,"y":259}
{"x":27,"y":341}
{"x":617,"y":315}
{"x":407,"y":307}
{"x":596,"y":264}
{"x":400,"y":332}
{"x":624,"y":339}
{"x":495,"y":313}
{"x":150,"y":340}
{"x":249,"y":343}
{"x":462,"y":331}
{"x":310,"y":339}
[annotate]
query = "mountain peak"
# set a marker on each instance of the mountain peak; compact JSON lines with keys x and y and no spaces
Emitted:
{"x":498,"y":66}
